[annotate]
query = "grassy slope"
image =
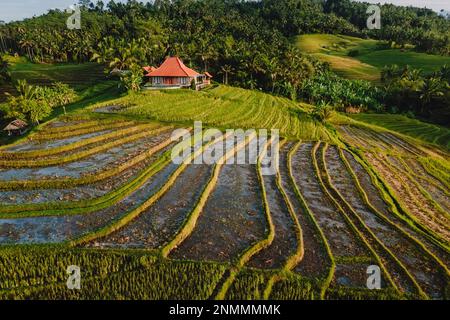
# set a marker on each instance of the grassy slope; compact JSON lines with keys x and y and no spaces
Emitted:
{"x":370,"y":60}
{"x":225,"y":108}
{"x":411,"y":127}
{"x":333,"y":49}
{"x":426,"y":62}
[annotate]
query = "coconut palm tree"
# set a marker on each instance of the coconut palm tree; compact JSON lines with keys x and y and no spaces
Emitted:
{"x":432,"y":88}
{"x":226,"y":70}
{"x":4,"y":73}
{"x":272,"y":68}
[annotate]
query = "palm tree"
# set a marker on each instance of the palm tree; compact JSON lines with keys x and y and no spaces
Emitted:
{"x":432,"y":87}
{"x":27,"y":91}
{"x":414,"y":74}
{"x":4,"y":73}
{"x":444,"y":73}
{"x":390,"y":72}
{"x":272,"y":68}
{"x":27,"y":45}
{"x":2,"y":40}
{"x":226,"y":70}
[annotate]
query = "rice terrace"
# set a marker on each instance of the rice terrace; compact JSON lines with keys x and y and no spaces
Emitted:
{"x":87,"y":178}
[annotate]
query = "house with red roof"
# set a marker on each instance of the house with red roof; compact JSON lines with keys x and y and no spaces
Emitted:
{"x":174,"y":74}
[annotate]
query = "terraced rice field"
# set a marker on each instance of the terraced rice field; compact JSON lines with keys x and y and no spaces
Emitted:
{"x":222,"y":107}
{"x":424,"y":131}
{"x":102,"y":192}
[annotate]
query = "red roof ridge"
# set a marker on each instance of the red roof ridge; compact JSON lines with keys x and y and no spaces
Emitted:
{"x":173,"y":67}
{"x":186,"y":69}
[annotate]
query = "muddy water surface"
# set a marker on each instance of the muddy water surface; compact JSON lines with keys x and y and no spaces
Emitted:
{"x":232,"y":220}
{"x":58,"y":229}
{"x":89,"y":165}
{"x":342,"y":240}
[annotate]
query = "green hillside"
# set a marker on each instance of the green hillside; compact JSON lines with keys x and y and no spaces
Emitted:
{"x":225,"y":107}
{"x":78,"y":75}
{"x":367,"y":58}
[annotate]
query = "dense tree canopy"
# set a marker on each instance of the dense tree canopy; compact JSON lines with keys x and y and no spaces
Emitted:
{"x":244,"y":43}
{"x":424,"y":28}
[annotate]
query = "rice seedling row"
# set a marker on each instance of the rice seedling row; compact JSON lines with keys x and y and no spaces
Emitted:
{"x":398,"y":143}
{"x":350,"y":278}
{"x":160,"y":191}
{"x":85,"y":179}
{"x":415,"y":167}
{"x":91,"y":165}
{"x":77,"y":146}
{"x":441,"y":216}
{"x":156,"y":226}
{"x":384,"y":206}
{"x":259,"y":115}
{"x":252,"y":250}
{"x":72,"y":133}
{"x":406,"y":251}
{"x":248,"y":285}
{"x":412,"y":127}
{"x":39,"y":146}
{"x":437,"y":196}
{"x":232,"y":218}
{"x":352,"y":139}
{"x":438,"y":170}
{"x":58,"y":229}
{"x":68,"y":125}
{"x":110,"y":191}
{"x":314,"y":262}
{"x":112,"y":274}
{"x":421,"y":209}
{"x":101,"y":149}
{"x":231,"y":148}
{"x":342,"y":240}
{"x":252,"y":102}
{"x":287,"y":232}
{"x":240,"y":109}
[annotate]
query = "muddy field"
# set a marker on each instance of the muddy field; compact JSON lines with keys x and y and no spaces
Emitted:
{"x":331,"y":209}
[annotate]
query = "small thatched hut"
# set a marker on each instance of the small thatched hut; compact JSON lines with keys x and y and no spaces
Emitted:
{"x":16,"y":127}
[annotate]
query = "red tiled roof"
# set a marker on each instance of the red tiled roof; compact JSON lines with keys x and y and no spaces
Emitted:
{"x":149,"y":69}
{"x":208,"y":75}
{"x":173,"y":67}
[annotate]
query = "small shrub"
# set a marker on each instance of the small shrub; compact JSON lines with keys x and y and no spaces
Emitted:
{"x":322,"y":112}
